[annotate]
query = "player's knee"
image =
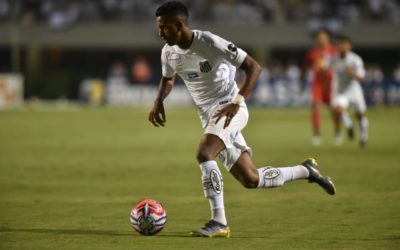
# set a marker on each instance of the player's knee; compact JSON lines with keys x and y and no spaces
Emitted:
{"x":203,"y":155}
{"x":250,"y":181}
{"x":250,"y":184}
{"x":339,"y":108}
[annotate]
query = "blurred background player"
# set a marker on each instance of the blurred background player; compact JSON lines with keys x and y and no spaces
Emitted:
{"x":349,"y":69}
{"x":318,"y":60}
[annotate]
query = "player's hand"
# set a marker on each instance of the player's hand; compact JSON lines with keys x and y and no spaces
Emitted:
{"x":157,"y":114}
{"x":350,"y":72}
{"x":229,"y":111}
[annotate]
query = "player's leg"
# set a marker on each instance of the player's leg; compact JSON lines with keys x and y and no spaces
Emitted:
{"x":361,"y":108}
{"x":246,"y":173}
{"x":316,"y":123}
{"x":340,"y":106}
{"x":217,"y":140}
{"x":212,"y":181}
{"x":337,"y":113}
{"x":341,"y":116}
{"x":344,"y":101}
{"x":348,"y":124}
{"x":316,"y":99}
{"x":363,"y":124}
{"x":357,"y":98}
{"x":249,"y":176}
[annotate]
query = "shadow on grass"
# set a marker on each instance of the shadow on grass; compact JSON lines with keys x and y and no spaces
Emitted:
{"x":165,"y":234}
{"x":86,"y":232}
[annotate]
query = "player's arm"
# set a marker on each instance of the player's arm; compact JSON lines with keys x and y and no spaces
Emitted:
{"x":253,"y":71}
{"x":240,"y":59}
{"x":353,"y":74}
{"x":157,"y":113}
{"x":358,"y":72}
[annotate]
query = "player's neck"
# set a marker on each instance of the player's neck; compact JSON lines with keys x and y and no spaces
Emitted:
{"x":324,"y":46}
{"x":186,"y":39}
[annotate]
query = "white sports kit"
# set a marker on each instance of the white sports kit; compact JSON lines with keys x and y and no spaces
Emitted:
{"x":348,"y":90}
{"x":208,"y":69}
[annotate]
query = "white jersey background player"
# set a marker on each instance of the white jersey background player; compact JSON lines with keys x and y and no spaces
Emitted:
{"x":207,"y":63}
{"x":349,"y":72}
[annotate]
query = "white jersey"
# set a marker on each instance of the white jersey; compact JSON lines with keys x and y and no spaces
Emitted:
{"x":343,"y":80}
{"x":208,"y":69}
{"x":348,"y":90}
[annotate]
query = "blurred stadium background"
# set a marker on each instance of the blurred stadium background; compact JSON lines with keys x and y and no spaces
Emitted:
{"x":108,"y":51}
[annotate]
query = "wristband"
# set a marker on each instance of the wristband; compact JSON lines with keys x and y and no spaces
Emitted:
{"x":238,"y":99}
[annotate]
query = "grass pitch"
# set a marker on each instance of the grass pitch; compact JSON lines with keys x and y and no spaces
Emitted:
{"x":69,"y":177}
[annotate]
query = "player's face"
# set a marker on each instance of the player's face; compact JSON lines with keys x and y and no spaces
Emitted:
{"x":344,"y":46}
{"x":322,"y":38}
{"x":168,"y":30}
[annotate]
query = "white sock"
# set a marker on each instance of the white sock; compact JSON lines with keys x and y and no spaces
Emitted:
{"x":347,"y":122}
{"x":214,"y":190}
{"x":364,"y":128}
{"x":218,"y":214}
{"x":270,"y":177}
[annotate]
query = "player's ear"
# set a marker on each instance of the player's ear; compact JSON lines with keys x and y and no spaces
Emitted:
{"x":179,"y":24}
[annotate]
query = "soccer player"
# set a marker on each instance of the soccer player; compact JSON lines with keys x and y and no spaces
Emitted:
{"x":318,"y":60}
{"x":207,"y":63}
{"x":349,"y":69}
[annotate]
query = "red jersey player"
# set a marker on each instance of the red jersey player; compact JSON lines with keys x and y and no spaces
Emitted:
{"x":318,"y":61}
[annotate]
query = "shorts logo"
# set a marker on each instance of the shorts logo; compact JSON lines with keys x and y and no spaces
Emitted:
{"x":193,"y":75}
{"x":216,"y":181}
{"x":271,"y":173}
{"x":205,"y":66}
{"x":232,"y":136}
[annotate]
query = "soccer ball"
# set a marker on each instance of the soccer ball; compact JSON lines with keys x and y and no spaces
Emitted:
{"x":148,"y":217}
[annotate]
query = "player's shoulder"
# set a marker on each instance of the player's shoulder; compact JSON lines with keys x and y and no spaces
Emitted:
{"x":168,"y":50}
{"x":206,"y":37}
{"x":355,"y":57}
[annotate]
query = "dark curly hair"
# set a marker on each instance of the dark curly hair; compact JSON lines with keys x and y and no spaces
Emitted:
{"x":344,"y":38}
{"x":173,"y":8}
{"x":322,"y":30}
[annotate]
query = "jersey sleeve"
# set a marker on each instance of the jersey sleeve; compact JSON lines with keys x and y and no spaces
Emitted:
{"x":167,"y":70}
{"x":359,"y":67}
{"x":227,"y":50}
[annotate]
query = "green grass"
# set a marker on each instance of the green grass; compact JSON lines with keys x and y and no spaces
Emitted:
{"x":69,"y":177}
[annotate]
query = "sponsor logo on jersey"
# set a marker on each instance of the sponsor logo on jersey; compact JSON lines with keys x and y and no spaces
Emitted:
{"x":193,"y":75}
{"x":216,"y":181}
{"x":205,"y":66}
{"x":271,"y":173}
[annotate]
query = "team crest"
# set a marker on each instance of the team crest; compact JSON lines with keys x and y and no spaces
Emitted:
{"x":232,"y":47}
{"x":271,"y":173}
{"x":205,"y":66}
{"x":216,"y":181}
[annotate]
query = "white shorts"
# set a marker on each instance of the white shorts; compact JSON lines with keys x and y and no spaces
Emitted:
{"x":352,"y":96}
{"x":232,"y":137}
